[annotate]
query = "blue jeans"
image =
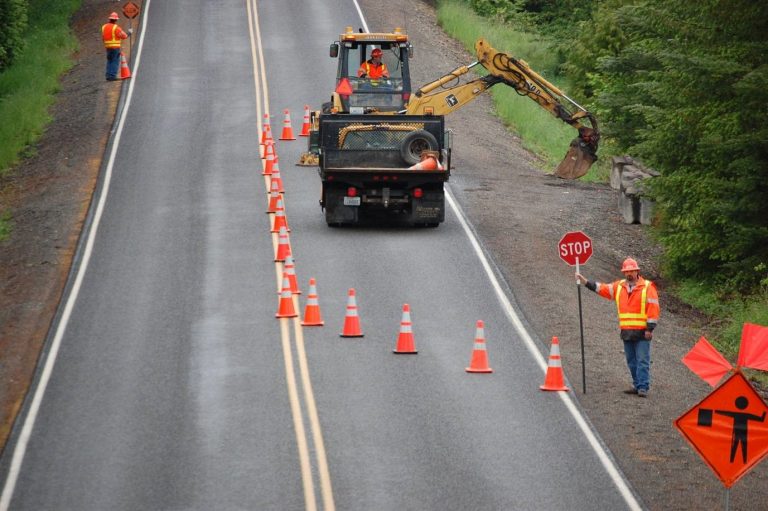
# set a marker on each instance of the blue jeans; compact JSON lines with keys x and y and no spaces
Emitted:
{"x":113,"y":62}
{"x":638,"y":355}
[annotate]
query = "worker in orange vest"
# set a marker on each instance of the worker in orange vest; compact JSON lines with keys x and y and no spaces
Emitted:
{"x":638,"y":307}
{"x":112,"y":35}
{"x":373,"y":68}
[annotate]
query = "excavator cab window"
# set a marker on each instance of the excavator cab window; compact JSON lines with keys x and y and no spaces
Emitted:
{"x":385,"y":93}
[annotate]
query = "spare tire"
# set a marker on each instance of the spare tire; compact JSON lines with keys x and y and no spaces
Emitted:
{"x":414,"y":143}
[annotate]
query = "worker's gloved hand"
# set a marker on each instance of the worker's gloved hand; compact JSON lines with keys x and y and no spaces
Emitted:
{"x":363,"y":75}
{"x":130,"y":31}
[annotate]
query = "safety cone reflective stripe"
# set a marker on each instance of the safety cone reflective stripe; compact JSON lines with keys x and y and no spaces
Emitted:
{"x":305,"y":125}
{"x":275,"y":178}
{"x":125,"y":72}
{"x":266,"y":131}
{"x":351,"y":320}
{"x":405,"y":342}
{"x":287,"y":133}
{"x":274,"y":195}
{"x":269,"y":158}
{"x":479,"y":362}
{"x":283,"y":246}
{"x":554,"y":379}
{"x":280,"y":221}
{"x":312,"y":310}
{"x":290,"y":270}
{"x":285,"y":307}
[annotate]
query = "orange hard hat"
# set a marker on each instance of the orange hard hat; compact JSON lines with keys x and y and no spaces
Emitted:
{"x":114,"y":16}
{"x":629,"y":265}
{"x":376,"y":52}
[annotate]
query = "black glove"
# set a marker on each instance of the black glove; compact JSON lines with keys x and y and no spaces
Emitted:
{"x":363,"y":75}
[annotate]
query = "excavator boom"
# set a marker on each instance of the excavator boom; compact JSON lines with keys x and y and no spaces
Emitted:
{"x":446,"y":95}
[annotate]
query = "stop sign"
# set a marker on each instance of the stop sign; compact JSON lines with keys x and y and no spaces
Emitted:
{"x":573,"y":246}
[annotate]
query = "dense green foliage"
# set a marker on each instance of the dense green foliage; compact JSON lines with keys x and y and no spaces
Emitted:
{"x":683,"y":86}
{"x":13,"y":23}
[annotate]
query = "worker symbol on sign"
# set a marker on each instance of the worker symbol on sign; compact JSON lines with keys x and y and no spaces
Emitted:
{"x":740,"y":421}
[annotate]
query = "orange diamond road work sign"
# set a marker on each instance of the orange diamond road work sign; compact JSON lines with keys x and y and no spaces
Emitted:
{"x":728,"y":429}
{"x":130,"y":10}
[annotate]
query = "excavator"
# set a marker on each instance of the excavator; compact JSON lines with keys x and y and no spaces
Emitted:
{"x":392,"y":95}
{"x":382,"y":150}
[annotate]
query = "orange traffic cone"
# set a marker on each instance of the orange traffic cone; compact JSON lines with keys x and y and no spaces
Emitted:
{"x":280,"y":221}
{"x":125,"y":72}
{"x":269,"y":158}
{"x":554,"y":380}
{"x":405,"y":342}
{"x":283,"y":246}
{"x":290,"y":270}
{"x":266,"y":131}
{"x":305,"y":125}
{"x":274,"y":195}
{"x":287,"y":133}
{"x":312,"y":310}
{"x":479,"y":362}
{"x":429,"y":161}
{"x":285,"y":307}
{"x":351,"y":319}
{"x":275,"y":177}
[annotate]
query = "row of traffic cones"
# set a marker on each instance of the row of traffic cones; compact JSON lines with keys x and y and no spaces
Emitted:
{"x":554,"y":379}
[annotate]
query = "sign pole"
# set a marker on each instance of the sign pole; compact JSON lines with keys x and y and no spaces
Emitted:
{"x":581,"y":331}
{"x":727,"y":499}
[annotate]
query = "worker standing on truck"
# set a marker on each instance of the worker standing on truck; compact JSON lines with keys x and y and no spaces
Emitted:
{"x":112,"y":35}
{"x":373,"y":68}
{"x":638,"y":308}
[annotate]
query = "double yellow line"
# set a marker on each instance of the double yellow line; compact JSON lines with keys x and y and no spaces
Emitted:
{"x":326,"y":492}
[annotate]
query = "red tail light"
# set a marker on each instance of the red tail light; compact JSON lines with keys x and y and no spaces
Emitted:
{"x":406,"y":96}
{"x":418,"y":193}
{"x":351,"y":191}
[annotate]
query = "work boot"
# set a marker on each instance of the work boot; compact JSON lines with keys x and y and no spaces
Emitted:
{"x":642,"y":393}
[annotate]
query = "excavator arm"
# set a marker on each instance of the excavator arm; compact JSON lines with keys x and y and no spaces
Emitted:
{"x":442,"y":97}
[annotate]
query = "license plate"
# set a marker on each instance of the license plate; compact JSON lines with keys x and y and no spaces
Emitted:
{"x":351,"y":201}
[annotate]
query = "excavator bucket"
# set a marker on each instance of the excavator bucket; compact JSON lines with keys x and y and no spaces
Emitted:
{"x":577,"y":161}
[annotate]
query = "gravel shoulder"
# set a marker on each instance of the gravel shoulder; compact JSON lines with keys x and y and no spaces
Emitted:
{"x":518,"y":211}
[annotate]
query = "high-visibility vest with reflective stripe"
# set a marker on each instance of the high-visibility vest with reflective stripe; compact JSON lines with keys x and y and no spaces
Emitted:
{"x":111,"y":34}
{"x":635,"y":309}
{"x":373,"y":72}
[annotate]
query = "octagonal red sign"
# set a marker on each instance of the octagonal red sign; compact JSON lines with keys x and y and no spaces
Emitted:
{"x":575,"y":247}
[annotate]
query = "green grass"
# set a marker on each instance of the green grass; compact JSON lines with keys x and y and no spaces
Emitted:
{"x":540,"y":132}
{"x":28,"y":87}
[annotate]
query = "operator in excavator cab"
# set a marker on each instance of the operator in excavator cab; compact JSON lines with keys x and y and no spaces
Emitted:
{"x":373,"y":68}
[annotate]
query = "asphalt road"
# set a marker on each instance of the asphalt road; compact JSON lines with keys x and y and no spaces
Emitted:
{"x":172,"y":385}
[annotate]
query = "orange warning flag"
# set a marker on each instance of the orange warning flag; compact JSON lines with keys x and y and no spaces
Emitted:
{"x":707,"y":362}
{"x":753,"y":352}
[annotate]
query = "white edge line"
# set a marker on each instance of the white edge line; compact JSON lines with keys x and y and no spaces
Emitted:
{"x":606,"y":461}
{"x":602,"y":455}
{"x":45,"y":376}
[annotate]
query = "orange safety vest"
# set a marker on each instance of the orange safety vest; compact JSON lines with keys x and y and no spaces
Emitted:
{"x":635,"y":309}
{"x":373,"y":72}
{"x":112,"y":34}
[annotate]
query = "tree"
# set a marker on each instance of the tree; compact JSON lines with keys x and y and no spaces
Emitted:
{"x":13,"y":23}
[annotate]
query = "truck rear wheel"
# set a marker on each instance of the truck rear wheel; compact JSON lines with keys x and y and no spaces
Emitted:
{"x":414,"y":143}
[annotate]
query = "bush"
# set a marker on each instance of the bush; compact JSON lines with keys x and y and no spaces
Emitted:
{"x":13,"y":23}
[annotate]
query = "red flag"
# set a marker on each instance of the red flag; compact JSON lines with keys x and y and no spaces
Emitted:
{"x":754,"y":347}
{"x":707,"y":362}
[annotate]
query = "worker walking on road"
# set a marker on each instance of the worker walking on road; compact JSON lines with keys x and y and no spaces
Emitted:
{"x":638,"y":308}
{"x":112,"y":35}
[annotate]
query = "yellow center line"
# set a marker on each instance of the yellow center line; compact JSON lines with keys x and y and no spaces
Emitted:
{"x":285,"y":334}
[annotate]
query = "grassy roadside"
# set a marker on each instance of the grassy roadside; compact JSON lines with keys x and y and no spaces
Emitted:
{"x":549,"y":138}
{"x":540,"y":132}
{"x":28,"y":87}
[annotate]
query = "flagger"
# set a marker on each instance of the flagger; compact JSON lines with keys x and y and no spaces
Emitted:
{"x":637,"y":303}
{"x":112,"y":36}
